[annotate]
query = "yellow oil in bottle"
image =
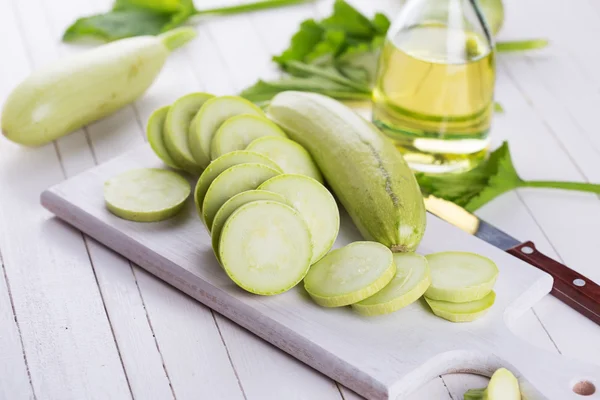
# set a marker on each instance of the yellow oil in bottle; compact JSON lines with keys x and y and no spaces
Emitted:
{"x":434,"y":96}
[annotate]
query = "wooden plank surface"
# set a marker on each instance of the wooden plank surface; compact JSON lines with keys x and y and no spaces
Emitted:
{"x":533,"y":88}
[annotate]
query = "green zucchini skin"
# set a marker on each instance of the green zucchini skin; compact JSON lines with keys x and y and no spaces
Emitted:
{"x":364,"y":169}
{"x":85,"y":87}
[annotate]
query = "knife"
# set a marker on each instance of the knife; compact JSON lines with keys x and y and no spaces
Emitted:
{"x":577,"y":291}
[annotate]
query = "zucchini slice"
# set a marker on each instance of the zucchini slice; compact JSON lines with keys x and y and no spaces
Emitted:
{"x":155,"y":134}
{"x":230,"y":182}
{"x":146,"y":195}
{"x":208,"y":120}
{"x":316,"y":205}
{"x":459,"y":277}
{"x":237,"y":132}
{"x":289,"y":155}
{"x":177,"y":126}
{"x":220,"y":165}
{"x":233,"y":204}
{"x":503,"y":385}
{"x":411,"y":280}
{"x":350,"y":274}
{"x":265,"y":247}
{"x":462,"y":312}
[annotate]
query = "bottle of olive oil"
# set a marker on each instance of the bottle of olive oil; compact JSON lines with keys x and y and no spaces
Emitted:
{"x":435,"y":85}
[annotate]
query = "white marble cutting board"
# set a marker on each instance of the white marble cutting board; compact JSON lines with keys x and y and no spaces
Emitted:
{"x":384,"y":357}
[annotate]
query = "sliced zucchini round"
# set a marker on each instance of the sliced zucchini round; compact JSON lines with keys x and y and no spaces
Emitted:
{"x":462,"y":312}
{"x":289,"y":155}
{"x":208,"y":120}
{"x":316,"y":205}
{"x":146,"y":195}
{"x":237,"y":132}
{"x":177,"y":126}
{"x":220,"y":165}
{"x":350,"y":274}
{"x":155,"y":133}
{"x":460,"y":276}
{"x":265,"y":247}
{"x":411,"y":280}
{"x":230,"y":182}
{"x":233,"y":204}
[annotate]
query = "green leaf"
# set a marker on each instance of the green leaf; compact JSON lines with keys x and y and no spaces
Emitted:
{"x":132,"y":18}
{"x":162,"y":6}
{"x":521,"y":45}
{"x":364,"y":56}
{"x":303,"y":42}
{"x":381,"y":23}
{"x":502,"y":177}
{"x":117,"y":25}
{"x":264,"y":91}
{"x":327,"y":49}
{"x":150,"y":17}
{"x":327,"y":72}
{"x":489,"y":180}
{"x":346,"y":18}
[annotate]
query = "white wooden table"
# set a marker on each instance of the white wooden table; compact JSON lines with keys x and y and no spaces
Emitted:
{"x":78,"y":321}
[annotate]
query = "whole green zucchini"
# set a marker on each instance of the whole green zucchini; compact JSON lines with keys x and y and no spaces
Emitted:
{"x":80,"y":89}
{"x":364,"y":169}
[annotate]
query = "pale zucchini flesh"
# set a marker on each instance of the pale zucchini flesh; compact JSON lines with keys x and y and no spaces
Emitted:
{"x":462,"y":312}
{"x":237,"y":132}
{"x":410,"y":282}
{"x":208,"y":120}
{"x":289,"y":155}
{"x":503,"y":385}
{"x":155,"y":134}
{"x":364,"y":169}
{"x":177,"y":126}
{"x":265,"y":247}
{"x":350,"y":274}
{"x":230,"y":182}
{"x":82,"y":88}
{"x":233,"y":204}
{"x":315,"y":204}
{"x":460,"y":276}
{"x":146,"y":195}
{"x":221,"y":164}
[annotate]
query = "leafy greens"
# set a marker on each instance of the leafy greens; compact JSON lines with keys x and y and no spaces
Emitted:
{"x":489,"y":180}
{"x":338,"y":56}
{"x":347,"y":44}
{"x":151,"y":17}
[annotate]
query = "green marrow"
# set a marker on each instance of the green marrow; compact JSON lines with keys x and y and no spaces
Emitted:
{"x":503,"y":385}
{"x":289,"y":155}
{"x":350,"y":274}
{"x":85,"y":87}
{"x":230,"y":182}
{"x":411,"y":280}
{"x":219,"y":165}
{"x":459,"y":277}
{"x":364,"y":169}
{"x":462,"y":312}
{"x":265,"y":247}
{"x":237,"y":132}
{"x":155,"y":134}
{"x":315,"y":204}
{"x":146,"y":195}
{"x":233,"y":204}
{"x":207,"y":121}
{"x":177,"y":126}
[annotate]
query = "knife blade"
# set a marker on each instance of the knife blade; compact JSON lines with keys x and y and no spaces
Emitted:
{"x":577,"y":291}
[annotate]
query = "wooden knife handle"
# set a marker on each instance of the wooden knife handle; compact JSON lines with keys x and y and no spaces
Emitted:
{"x":577,"y":291}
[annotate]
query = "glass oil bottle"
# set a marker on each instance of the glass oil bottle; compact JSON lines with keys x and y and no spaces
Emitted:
{"x":434,"y":94}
